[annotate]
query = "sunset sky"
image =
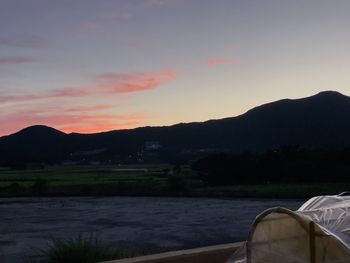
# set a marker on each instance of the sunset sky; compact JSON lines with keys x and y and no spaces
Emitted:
{"x":96,"y":65}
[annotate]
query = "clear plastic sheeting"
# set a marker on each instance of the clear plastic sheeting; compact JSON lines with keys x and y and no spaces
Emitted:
{"x":318,"y":232}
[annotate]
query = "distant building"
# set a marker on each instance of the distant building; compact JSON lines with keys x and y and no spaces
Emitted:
{"x":88,"y":152}
{"x":130,"y":170}
{"x":152,"y":145}
{"x":117,"y":170}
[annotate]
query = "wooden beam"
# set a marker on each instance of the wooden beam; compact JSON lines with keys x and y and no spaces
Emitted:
{"x":211,"y":254}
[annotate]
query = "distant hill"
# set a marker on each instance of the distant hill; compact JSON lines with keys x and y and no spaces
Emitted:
{"x":319,"y":121}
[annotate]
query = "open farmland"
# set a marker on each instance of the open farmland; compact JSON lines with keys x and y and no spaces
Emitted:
{"x":84,"y":180}
{"x":142,"y":180}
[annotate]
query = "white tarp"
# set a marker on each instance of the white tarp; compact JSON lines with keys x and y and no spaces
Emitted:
{"x":318,"y":232}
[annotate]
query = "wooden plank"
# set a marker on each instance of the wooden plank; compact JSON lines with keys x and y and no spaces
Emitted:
{"x":211,"y":254}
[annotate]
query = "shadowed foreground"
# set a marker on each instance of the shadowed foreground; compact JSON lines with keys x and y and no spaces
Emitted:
{"x":173,"y":223}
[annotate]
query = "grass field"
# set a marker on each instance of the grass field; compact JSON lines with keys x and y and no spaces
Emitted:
{"x":78,"y":175}
{"x":88,"y":180}
{"x":156,"y":181}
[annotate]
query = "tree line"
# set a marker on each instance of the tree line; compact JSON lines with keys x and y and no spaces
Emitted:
{"x":291,"y":164}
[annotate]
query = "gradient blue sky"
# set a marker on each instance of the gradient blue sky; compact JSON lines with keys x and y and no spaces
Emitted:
{"x":96,"y":65}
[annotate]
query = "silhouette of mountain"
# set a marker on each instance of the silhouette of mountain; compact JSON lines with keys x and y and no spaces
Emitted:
{"x":35,"y":143}
{"x":38,"y":132}
{"x":319,"y":121}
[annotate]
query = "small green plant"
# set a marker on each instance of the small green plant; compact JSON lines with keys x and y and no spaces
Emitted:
{"x":78,"y":250}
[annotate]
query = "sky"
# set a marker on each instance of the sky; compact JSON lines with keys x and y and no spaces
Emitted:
{"x":95,"y":65}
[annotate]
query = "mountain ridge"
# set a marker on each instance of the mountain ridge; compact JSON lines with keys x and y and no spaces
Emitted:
{"x":320,"y":94}
{"x":318,"y":121}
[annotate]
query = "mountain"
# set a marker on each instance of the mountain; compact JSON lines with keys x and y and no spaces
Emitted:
{"x":319,"y":121}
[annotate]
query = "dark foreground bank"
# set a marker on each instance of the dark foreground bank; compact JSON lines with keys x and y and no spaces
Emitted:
{"x":172,"y":223}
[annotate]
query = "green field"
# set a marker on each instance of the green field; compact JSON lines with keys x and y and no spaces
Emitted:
{"x":158,"y":180}
{"x":90,"y":180}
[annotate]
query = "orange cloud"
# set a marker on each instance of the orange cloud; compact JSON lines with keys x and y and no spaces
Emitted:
{"x":15,"y":60}
{"x":87,"y":120}
{"x":102,"y":127}
{"x":219,"y":61}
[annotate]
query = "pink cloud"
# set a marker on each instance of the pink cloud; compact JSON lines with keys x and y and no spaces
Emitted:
{"x":219,"y":61}
{"x":16,"y":98}
{"x":127,"y":83}
{"x":15,"y":60}
{"x":63,"y":93}
{"x":102,"y":85}
{"x":91,"y":108}
{"x":58,"y":108}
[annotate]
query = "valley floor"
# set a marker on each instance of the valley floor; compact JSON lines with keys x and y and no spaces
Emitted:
{"x":145,"y":180}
